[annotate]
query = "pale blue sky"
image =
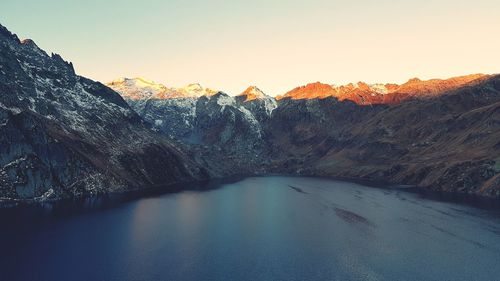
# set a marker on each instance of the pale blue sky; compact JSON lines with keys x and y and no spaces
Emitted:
{"x":275,"y":45}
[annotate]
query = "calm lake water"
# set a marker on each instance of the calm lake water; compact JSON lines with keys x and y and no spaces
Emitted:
{"x":266,"y":228}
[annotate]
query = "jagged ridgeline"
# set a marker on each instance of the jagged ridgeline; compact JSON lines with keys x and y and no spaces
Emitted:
{"x":63,"y":135}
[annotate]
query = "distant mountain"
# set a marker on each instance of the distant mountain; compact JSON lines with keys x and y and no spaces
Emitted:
{"x":438,"y":134}
{"x":257,"y":102}
{"x":364,"y":94}
{"x":220,"y":128}
{"x":447,"y":142}
{"x":253,"y":93}
{"x":141,"y":88}
{"x":63,"y":135}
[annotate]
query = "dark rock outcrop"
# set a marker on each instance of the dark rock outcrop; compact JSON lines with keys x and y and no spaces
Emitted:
{"x":62,"y":135}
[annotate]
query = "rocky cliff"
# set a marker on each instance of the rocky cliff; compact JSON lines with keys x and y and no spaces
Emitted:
{"x":62,"y":135}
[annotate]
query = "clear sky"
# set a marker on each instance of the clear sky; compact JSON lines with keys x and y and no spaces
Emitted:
{"x":276,"y":45}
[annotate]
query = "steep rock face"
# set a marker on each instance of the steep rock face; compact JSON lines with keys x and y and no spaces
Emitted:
{"x":173,"y":117}
{"x":257,"y":102}
{"x":221,"y":120}
{"x":221,"y":129}
{"x":63,"y":135}
{"x":231,"y":138}
{"x":201,"y":116}
{"x":170,"y":111}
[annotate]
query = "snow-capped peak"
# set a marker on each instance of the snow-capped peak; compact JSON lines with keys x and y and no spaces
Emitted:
{"x":142,"y":88}
{"x":253,"y":93}
{"x":137,"y":88}
{"x":379,"y":88}
{"x":196,"y":90}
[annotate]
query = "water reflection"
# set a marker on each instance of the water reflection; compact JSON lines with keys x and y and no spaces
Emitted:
{"x":273,"y":228}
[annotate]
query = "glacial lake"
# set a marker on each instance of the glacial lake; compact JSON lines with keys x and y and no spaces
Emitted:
{"x":262,"y":228}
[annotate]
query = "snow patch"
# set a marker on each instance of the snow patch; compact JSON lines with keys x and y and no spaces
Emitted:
{"x":379,"y":88}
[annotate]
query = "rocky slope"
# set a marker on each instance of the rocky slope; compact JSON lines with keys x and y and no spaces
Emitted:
{"x":219,"y":129}
{"x":62,"y":135}
{"x":439,"y":134}
{"x":448,"y":141}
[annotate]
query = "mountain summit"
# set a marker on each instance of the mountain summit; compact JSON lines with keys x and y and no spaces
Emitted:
{"x":363,"y":93}
{"x":142,"y":89}
{"x":253,"y":93}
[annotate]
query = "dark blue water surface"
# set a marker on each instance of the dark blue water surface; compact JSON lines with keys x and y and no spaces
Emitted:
{"x":269,"y":228}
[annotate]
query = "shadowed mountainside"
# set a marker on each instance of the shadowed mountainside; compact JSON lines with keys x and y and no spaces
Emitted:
{"x":449,"y":141}
{"x":63,"y":135}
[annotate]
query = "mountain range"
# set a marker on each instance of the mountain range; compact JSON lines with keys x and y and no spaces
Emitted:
{"x":365,"y":94}
{"x":63,"y":135}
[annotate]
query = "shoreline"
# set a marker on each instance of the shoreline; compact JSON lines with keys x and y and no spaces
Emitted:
{"x":119,"y":197}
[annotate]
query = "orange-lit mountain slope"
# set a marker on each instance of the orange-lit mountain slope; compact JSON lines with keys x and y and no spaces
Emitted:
{"x":364,"y":94}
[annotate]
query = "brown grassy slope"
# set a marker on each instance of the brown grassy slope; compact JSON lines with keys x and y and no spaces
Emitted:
{"x":449,"y":141}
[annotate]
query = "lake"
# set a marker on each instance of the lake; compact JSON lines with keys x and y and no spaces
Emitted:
{"x":262,"y":228}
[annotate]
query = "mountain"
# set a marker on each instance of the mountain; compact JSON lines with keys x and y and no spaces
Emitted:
{"x":63,"y":135}
{"x":253,"y":93}
{"x":257,"y":102}
{"x":221,"y":129}
{"x":447,"y":142}
{"x":436,"y":134}
{"x":141,"y":88}
{"x":365,"y":94}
